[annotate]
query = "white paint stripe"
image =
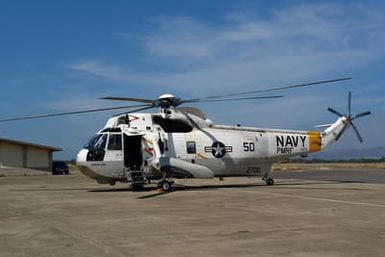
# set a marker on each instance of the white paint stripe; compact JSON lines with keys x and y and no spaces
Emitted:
{"x":325,"y":199}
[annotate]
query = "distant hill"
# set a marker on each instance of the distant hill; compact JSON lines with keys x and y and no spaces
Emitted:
{"x":350,"y":153}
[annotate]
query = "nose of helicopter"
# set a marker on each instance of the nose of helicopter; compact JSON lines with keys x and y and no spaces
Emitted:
{"x":81,"y":158}
{"x":83,"y":165}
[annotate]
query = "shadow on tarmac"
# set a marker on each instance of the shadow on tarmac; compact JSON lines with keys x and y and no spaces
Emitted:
{"x":152,"y":188}
{"x":218,"y":187}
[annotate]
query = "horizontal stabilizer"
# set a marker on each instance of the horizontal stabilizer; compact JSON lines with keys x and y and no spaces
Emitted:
{"x":323,"y":125}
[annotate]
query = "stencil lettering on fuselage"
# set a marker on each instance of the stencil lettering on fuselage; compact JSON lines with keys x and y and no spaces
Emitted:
{"x":286,"y":144}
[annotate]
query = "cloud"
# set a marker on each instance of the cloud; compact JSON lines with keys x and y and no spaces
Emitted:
{"x":96,"y":68}
{"x":295,"y":43}
{"x":291,"y":44}
{"x":179,"y":37}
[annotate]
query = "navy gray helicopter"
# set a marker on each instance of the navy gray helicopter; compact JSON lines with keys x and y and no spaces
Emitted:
{"x":181,"y":142}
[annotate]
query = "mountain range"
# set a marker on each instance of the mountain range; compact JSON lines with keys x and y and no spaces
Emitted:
{"x":350,"y":153}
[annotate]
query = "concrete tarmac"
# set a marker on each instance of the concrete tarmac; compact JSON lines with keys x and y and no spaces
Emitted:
{"x":302,"y":215}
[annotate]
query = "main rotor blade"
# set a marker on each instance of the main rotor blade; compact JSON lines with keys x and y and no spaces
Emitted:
{"x":357,"y":133}
{"x":136,"y":110}
{"x":335,"y":112}
{"x":362,"y":114}
{"x":72,"y":113}
{"x":131,"y":99}
{"x":273,"y":89}
{"x":231,"y":99}
{"x":350,"y":103}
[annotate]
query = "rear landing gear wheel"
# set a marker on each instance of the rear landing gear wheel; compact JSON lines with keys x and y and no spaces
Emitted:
{"x":164,"y":185}
{"x":269,"y":181}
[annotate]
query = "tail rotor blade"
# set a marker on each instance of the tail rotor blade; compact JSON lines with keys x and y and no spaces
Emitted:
{"x":350,"y":103}
{"x":335,"y":112}
{"x":340,"y":134}
{"x":362,"y":114}
{"x":357,"y":133}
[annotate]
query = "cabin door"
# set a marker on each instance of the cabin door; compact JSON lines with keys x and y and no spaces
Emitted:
{"x":133,"y":155}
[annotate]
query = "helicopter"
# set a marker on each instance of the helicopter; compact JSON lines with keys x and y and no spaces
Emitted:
{"x":181,"y":142}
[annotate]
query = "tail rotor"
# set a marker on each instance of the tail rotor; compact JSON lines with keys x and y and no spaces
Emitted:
{"x":349,"y":118}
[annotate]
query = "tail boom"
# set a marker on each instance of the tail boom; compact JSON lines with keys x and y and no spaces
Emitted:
{"x":333,"y":133}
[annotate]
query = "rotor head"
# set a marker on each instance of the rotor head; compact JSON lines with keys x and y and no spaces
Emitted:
{"x":167,"y":100}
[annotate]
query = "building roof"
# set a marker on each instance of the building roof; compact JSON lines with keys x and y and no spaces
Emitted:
{"x":12,"y":141}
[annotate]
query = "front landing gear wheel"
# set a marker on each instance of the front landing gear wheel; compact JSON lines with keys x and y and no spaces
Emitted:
{"x":269,"y":181}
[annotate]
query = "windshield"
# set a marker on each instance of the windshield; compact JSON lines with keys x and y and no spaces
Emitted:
{"x":97,"y":142}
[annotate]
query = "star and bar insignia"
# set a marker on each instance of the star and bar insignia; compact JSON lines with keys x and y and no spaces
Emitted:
{"x":218,"y":149}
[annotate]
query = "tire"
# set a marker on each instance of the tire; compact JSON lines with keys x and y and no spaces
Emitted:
{"x":166,"y":186}
{"x":270,"y":181}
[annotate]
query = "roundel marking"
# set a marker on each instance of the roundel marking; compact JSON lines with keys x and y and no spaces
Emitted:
{"x":218,"y":149}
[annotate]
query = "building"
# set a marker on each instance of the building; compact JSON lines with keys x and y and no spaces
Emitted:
{"x":15,"y":153}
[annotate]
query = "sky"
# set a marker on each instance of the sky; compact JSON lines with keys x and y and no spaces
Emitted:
{"x":59,"y":56}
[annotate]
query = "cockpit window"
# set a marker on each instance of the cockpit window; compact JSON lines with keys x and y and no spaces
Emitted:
{"x":97,"y":142}
{"x":115,"y":142}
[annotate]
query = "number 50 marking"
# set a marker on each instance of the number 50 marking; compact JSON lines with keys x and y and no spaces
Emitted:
{"x":248,"y":146}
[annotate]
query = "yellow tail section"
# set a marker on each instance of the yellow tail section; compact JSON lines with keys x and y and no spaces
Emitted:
{"x":314,"y":141}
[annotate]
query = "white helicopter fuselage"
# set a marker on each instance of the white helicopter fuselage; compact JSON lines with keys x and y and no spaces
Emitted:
{"x":181,"y":144}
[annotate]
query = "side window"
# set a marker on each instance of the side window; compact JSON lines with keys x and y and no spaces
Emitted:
{"x":115,"y":142}
{"x":191,"y":147}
